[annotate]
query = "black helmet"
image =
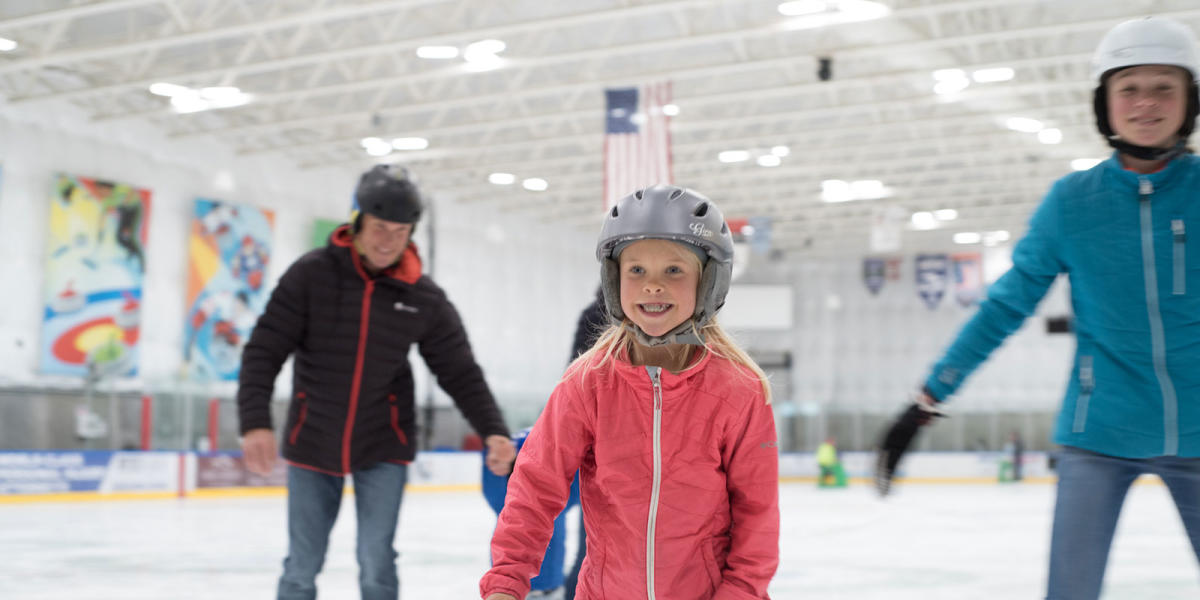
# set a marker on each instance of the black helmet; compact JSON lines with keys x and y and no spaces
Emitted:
{"x":385,"y":191}
{"x":667,"y":212}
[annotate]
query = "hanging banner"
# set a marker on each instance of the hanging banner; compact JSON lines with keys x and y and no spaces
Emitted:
{"x":95,"y":263}
{"x":968,"y":278}
{"x":873,"y":274}
{"x":322,"y":228}
{"x":933,"y":274}
{"x":229,"y":247}
{"x":893,"y":267}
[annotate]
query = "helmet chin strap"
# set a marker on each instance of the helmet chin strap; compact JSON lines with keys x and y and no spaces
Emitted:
{"x":1148,"y":153}
{"x":684,"y":333}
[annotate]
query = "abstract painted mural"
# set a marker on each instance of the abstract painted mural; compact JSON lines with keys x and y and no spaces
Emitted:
{"x":95,"y":262}
{"x":229,"y":248}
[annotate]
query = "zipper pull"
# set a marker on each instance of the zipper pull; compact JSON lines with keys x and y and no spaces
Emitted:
{"x":1145,"y":188}
{"x":1178,"y":230}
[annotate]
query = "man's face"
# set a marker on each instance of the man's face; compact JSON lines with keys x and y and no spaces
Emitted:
{"x":382,"y":242}
{"x":1147,"y":104}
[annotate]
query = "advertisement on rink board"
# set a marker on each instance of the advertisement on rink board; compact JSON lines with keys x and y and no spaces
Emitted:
{"x":87,"y":471}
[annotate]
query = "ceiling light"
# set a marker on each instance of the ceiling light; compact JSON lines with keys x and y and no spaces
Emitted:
{"x":924,"y":220}
{"x":810,"y":14}
{"x":410,"y":143}
{"x":732,"y":156}
{"x":968,"y":237}
{"x":189,"y":102}
{"x":780,"y":151}
{"x":437,"y":52}
{"x":535,"y":184}
{"x":946,"y":214}
{"x":993,"y":75}
{"x":380,"y":150}
{"x":835,"y":190}
{"x":1050,"y":136}
{"x":868,"y":189}
{"x":768,"y":160}
{"x":220,"y":93}
{"x":991,"y":238}
{"x":502,"y":178}
{"x":670,"y":110}
{"x":7,"y":45}
{"x":367,"y":142}
{"x":167,"y":89}
{"x":483,"y":49}
{"x":1083,"y":164}
{"x":949,"y":74}
{"x":799,"y":8}
{"x":1023,"y":124}
{"x":488,"y":62}
{"x":950,"y":86}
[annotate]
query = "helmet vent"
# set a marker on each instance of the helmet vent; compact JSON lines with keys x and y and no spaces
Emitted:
{"x":701,"y":210}
{"x":724,"y":227}
{"x":638,"y":194}
{"x":677,"y":193}
{"x":614,"y":212}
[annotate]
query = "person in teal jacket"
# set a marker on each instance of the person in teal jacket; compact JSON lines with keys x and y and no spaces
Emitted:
{"x":1120,"y":232}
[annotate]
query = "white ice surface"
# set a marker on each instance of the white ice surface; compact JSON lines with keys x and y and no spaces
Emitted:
{"x":927,"y":542}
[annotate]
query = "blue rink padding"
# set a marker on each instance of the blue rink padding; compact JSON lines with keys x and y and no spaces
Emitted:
{"x":495,"y":488}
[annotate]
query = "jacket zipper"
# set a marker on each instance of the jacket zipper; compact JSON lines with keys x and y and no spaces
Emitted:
{"x":1180,"y":235}
{"x":356,"y":383}
{"x":654,"y":491}
{"x":1087,"y":383}
{"x":1157,"y":340}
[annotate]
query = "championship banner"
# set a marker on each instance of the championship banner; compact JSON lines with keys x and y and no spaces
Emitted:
{"x":933,"y":274}
{"x":229,"y":247}
{"x":95,"y":263}
{"x":874,"y":273}
{"x":968,"y":278}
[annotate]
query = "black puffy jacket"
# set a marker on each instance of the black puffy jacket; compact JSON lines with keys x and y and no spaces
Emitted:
{"x":352,"y":385}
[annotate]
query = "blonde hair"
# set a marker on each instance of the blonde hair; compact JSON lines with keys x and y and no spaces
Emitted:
{"x":620,"y":337}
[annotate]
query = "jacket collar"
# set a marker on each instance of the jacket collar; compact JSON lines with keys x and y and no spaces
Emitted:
{"x":407,"y":269}
{"x":1162,"y":179}
{"x":636,"y":374}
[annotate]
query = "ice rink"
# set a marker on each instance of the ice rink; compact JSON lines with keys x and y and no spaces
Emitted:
{"x":926,"y":542}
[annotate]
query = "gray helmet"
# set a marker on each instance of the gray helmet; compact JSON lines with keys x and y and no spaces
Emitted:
{"x":667,"y":212}
{"x":387,"y":192}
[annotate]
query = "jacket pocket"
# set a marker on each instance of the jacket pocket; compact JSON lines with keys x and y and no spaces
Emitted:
{"x":394,"y":406}
{"x":1179,"y":257}
{"x":1087,"y":383}
{"x":302,"y":402}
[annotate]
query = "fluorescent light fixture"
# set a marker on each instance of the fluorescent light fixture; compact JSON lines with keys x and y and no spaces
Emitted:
{"x":781,"y":151}
{"x":483,"y":49}
{"x":732,"y":156}
{"x":835,"y":190}
{"x":670,"y":110}
{"x":502,"y":178}
{"x":1023,"y":124}
{"x":188,"y":100}
{"x":993,"y":75}
{"x":1083,"y":164}
{"x":945,"y":214}
{"x":535,"y":184}
{"x":490,"y":62}
{"x":968,"y":237}
{"x":380,"y":150}
{"x":991,"y":238}
{"x":437,"y":52}
{"x":810,"y":14}
{"x":367,"y":142}
{"x":800,"y":8}
{"x":924,"y":220}
{"x":7,"y":45}
{"x":949,"y":75}
{"x":950,"y":86}
{"x":768,"y":160}
{"x":222,"y":93}
{"x":168,"y":89}
{"x":1050,"y":135}
{"x":867,"y":189}
{"x":410,"y":143}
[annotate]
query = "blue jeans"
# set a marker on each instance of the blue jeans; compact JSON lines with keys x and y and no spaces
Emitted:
{"x":313,"y":502}
{"x":1091,"y":490}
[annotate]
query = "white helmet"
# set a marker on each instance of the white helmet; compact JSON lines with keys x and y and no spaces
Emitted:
{"x":1146,"y":41}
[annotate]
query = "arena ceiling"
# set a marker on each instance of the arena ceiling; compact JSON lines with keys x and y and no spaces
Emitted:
{"x":321,"y":75}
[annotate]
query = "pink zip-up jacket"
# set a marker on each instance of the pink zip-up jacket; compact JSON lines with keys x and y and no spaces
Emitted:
{"x":679,"y":479}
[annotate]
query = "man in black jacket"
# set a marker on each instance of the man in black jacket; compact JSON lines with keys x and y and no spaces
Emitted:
{"x":349,"y":313}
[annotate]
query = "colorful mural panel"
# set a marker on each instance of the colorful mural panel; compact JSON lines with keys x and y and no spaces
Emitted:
{"x":229,"y":248}
{"x":95,"y":262}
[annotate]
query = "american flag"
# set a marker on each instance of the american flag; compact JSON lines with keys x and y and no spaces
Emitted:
{"x":637,"y":141}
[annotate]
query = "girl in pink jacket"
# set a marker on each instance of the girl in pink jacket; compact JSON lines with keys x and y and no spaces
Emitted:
{"x":667,"y":421}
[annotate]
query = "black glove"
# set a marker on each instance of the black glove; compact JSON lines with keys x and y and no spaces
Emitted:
{"x":897,"y":439}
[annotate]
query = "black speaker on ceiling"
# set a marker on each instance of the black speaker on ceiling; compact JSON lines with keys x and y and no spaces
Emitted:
{"x":824,"y":68}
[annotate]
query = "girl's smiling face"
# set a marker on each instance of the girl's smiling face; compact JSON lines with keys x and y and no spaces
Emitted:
{"x":1147,"y":104}
{"x":658,"y":284}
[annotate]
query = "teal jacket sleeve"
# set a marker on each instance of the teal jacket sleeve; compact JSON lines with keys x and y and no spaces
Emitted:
{"x":1036,"y":261}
